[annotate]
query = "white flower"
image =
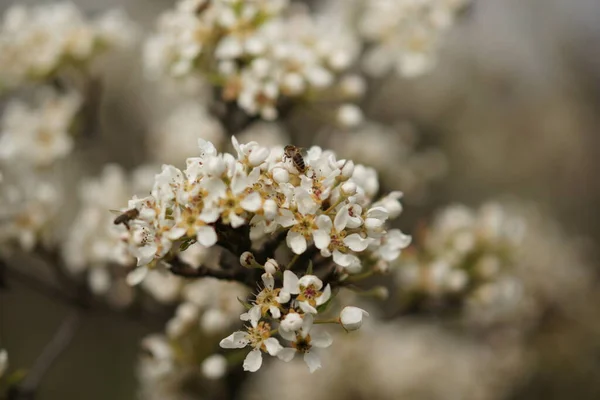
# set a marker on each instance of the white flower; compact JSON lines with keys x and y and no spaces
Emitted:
{"x":267,"y":300}
{"x":307,"y":291}
{"x":258,"y":336}
{"x":351,"y":318}
{"x":306,"y":341}
{"x":214,"y":367}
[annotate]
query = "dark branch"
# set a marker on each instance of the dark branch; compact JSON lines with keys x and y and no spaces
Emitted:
{"x":242,"y":275}
{"x":57,"y":345}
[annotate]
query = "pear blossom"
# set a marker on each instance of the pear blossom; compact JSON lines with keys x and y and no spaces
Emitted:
{"x":256,"y":52}
{"x":307,"y":342}
{"x":38,"y":40}
{"x":257,"y":336}
{"x":307,"y":291}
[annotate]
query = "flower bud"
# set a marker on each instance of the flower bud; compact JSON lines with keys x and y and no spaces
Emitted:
{"x":351,"y":318}
{"x":291,"y":322}
{"x":281,"y":175}
{"x":247,"y":259}
{"x":271,"y":266}
{"x":349,"y":188}
{"x":348,"y":169}
{"x":214,"y":367}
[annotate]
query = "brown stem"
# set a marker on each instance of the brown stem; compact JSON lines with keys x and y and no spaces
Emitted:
{"x":242,"y":275}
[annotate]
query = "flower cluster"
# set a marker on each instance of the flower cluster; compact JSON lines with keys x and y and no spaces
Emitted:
{"x":405,"y":34}
{"x":28,"y":206}
{"x":294,"y":307}
{"x":395,"y":153}
{"x":175,"y":138}
{"x":465,"y":253}
{"x":36,"y":42}
{"x":38,"y":136}
{"x":328,"y":203}
{"x":252,"y":50}
{"x":321,"y":207}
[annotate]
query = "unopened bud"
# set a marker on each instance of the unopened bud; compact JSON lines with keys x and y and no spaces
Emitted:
{"x":351,"y":318}
{"x":291,"y":322}
{"x":349,"y":188}
{"x":271,"y":266}
{"x":348,"y":169}
{"x":247,"y":259}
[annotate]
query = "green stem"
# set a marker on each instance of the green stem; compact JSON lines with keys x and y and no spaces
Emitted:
{"x":291,"y":263}
{"x":327,"y":321}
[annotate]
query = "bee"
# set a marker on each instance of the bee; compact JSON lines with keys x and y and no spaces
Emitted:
{"x":126,"y":216}
{"x":295,"y":154}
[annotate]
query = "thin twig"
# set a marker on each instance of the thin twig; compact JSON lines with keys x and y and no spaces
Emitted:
{"x":181,"y":268}
{"x":52,"y":351}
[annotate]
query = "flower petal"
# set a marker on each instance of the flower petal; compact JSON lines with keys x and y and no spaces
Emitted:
{"x":206,"y":235}
{"x":286,"y":354}
{"x":273,"y":346}
{"x":237,"y":340}
{"x":322,"y":239}
{"x":312,"y":360}
{"x":253,"y":361}
{"x":290,"y":282}
{"x":321,"y":339}
{"x":356,"y":243}
{"x":325,"y":296}
{"x":307,"y":308}
{"x":341,"y":219}
{"x":296,"y":242}
{"x":252,"y":202}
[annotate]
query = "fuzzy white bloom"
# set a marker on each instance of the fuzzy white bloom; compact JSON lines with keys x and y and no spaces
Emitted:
{"x":214,"y":367}
{"x":349,"y":115}
{"x":472,"y":255}
{"x":217,"y":302}
{"x":36,"y":41}
{"x":393,"y":152}
{"x":3,"y":362}
{"x":351,"y":318}
{"x":29,"y":205}
{"x":176,"y":138}
{"x":38,"y":135}
{"x":405,"y":34}
{"x":253,"y":50}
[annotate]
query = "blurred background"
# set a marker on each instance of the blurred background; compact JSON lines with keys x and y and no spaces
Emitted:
{"x":513,"y":104}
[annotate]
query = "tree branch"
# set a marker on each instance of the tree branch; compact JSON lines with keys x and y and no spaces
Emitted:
{"x":57,"y":345}
{"x":180,"y":268}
